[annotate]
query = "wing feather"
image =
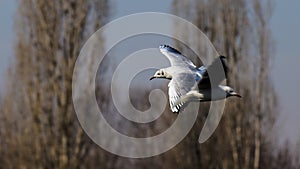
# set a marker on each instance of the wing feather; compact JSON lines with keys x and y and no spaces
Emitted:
{"x":175,"y":57}
{"x":179,"y":86}
{"x":214,"y":74}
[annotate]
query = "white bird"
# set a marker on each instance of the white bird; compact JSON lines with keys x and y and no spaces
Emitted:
{"x":189,"y":83}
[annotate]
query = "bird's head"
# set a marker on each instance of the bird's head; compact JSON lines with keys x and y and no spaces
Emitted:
{"x":161,"y":73}
{"x":230,"y":92}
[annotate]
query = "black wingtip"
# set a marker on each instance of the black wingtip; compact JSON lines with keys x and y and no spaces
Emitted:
{"x":222,"y":57}
{"x":223,"y":61}
{"x":169,"y":48}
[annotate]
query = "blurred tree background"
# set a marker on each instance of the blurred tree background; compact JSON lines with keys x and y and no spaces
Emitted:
{"x":39,"y":128}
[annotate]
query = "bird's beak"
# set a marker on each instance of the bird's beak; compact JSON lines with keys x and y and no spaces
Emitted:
{"x":152,"y":78}
{"x":237,"y":95}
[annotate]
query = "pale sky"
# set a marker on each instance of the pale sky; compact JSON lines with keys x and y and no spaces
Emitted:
{"x":285,"y":26}
{"x":7,"y":9}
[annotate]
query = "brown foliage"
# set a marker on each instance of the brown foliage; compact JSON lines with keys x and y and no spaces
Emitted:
{"x":40,"y":126}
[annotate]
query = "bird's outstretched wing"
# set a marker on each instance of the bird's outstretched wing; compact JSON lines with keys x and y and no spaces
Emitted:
{"x":214,"y":74}
{"x":179,"y":86}
{"x":175,"y":57}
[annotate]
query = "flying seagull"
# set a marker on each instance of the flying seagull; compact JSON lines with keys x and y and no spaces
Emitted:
{"x":189,"y":83}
